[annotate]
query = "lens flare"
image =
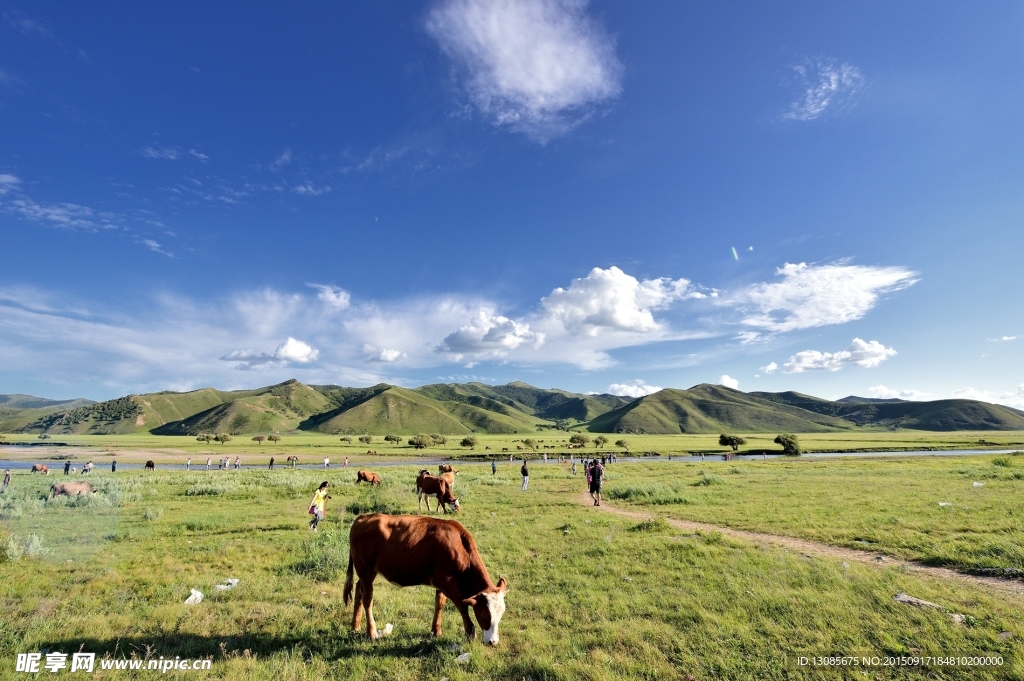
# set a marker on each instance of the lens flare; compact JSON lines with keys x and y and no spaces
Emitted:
{"x":735,"y":255}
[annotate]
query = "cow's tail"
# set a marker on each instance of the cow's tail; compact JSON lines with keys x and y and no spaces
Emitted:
{"x":348,"y":579}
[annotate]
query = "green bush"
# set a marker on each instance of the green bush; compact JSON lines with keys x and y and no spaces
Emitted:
{"x":650,"y":493}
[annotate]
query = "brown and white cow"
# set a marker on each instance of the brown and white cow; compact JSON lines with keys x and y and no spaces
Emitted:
{"x":367,"y":476}
{"x":71,"y":489}
{"x":40,"y":468}
{"x":443,"y":468}
{"x":428,"y":485}
{"x":412,"y":550}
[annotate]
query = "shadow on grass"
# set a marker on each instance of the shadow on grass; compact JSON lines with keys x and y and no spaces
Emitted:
{"x":323,"y":645}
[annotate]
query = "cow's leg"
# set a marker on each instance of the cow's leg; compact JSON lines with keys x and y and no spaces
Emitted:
{"x":371,"y":625}
{"x":357,"y":612}
{"x":419,"y":500}
{"x":467,"y":622}
{"x":439,"y":600}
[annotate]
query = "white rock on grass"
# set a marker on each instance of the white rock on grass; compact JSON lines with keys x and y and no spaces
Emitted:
{"x":195,"y":598}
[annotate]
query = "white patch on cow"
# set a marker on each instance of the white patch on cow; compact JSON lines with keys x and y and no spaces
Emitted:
{"x":496,"y":607}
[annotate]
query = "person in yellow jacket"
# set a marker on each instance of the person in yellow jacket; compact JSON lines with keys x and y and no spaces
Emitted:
{"x":318,"y":507}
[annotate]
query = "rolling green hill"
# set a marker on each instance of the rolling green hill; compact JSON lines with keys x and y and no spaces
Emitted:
{"x":709,"y":408}
{"x":934,"y":415}
{"x":457,"y":408}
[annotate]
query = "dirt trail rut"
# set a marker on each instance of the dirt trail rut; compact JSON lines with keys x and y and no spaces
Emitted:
{"x":813,"y":548}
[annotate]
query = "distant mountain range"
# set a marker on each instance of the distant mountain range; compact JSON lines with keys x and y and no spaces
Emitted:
{"x":457,"y":408}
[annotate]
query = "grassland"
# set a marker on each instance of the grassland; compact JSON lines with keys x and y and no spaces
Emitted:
{"x":314,"y":446}
{"x":593,"y":595}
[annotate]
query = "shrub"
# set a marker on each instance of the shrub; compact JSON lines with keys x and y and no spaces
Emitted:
{"x":652,"y":525}
{"x":469,"y":441}
{"x":421,"y":441}
{"x":1003,"y":461}
{"x":152,"y":514}
{"x":706,"y":480}
{"x":790,"y":445}
{"x":13,"y":548}
{"x":438,"y":439}
{"x":651,"y":493}
{"x":366,"y":439}
{"x":579,"y":439}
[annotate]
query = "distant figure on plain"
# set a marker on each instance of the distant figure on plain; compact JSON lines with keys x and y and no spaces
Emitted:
{"x":209,"y":461}
{"x":525,"y":471}
{"x":113,"y":466}
{"x":318,"y":507}
{"x":345,"y":465}
{"x":238,"y":462}
{"x":7,"y":480}
{"x":574,"y":468}
{"x":327,"y":462}
{"x":271,"y":467}
{"x":188,"y":464}
{"x":494,"y":467}
{"x":67,"y":467}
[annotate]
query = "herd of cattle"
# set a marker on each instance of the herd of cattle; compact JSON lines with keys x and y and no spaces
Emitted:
{"x":439,"y":486}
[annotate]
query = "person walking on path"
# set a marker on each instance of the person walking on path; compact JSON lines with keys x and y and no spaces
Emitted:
{"x":113,"y":466}
{"x":67,"y":467}
{"x":188,"y":464}
{"x":7,"y":480}
{"x":271,"y":463}
{"x":327,"y":462}
{"x":238,"y":462}
{"x":574,"y":468}
{"x":494,"y":467}
{"x":526,"y":474}
{"x":208,"y":462}
{"x":596,"y":478}
{"x":346,"y":462}
{"x":318,"y":507}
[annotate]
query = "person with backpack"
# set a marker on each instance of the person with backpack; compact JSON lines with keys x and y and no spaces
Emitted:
{"x":526,"y":474}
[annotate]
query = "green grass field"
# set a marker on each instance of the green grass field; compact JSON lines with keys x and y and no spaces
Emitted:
{"x":592,"y":595}
{"x":311,"y":447}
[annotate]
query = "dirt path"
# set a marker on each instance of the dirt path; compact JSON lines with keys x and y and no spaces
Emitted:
{"x":813,"y":548}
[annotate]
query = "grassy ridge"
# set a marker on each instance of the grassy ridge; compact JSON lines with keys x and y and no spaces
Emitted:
{"x":593,"y":596}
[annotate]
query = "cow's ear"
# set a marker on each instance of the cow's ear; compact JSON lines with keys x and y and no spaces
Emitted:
{"x":471,"y":601}
{"x":502,"y":583}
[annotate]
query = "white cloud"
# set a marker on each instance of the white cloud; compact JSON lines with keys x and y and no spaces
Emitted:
{"x":634,"y":388}
{"x":66,"y":215}
{"x":291,"y":350}
{"x":1013,"y":398}
{"x":883,"y":392}
{"x":536,"y":66}
{"x":490,"y":334}
{"x":612,"y":299}
{"x":310,"y":189}
{"x":382,"y":354}
{"x":8,"y":182}
{"x":201,"y":157}
{"x":156,"y":247}
{"x":729,"y":382}
{"x":770,"y":368}
{"x":972,"y":394}
{"x":160,"y":152}
{"x":1010,"y":398}
{"x":282,"y":160}
{"x":817,"y":295}
{"x":1001,"y":339}
{"x":828,"y":85}
{"x":861,"y":353}
{"x":334,"y":297}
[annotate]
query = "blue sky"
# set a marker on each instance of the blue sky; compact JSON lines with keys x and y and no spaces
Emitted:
{"x":594,"y":196}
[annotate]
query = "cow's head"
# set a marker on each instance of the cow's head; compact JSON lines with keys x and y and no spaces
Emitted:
{"x":489,"y":606}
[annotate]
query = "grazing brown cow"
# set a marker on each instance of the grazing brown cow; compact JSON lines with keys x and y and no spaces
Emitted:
{"x":71,"y":489}
{"x":449,"y":477}
{"x":150,"y":466}
{"x":427,"y":485}
{"x":40,"y":468}
{"x":367,"y":476}
{"x":443,"y":468}
{"x":412,"y":550}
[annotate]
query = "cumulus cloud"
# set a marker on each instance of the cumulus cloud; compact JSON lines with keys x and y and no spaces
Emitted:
{"x":334,"y":297}
{"x":729,"y":382}
{"x":883,"y":392}
{"x":612,"y":299}
{"x":634,"y":388}
{"x":160,"y":152}
{"x":388,"y":355}
{"x":491,"y":334}
{"x":770,"y":368}
{"x":861,"y":353}
{"x":817,"y":295}
{"x":290,"y":351}
{"x":828,"y":86}
{"x":535,"y":66}
{"x":1001,"y":339}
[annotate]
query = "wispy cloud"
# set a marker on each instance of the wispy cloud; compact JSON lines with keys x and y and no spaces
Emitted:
{"x":828,"y":86}
{"x":161,"y":152}
{"x":535,"y":66}
{"x":201,"y":157}
{"x":284,"y":159}
{"x":860,"y":353}
{"x":28,"y":26}
{"x":65,"y":215}
{"x":8,"y":182}
{"x":817,"y":295}
{"x":333,"y":296}
{"x":156,"y":247}
{"x":310,"y":189}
